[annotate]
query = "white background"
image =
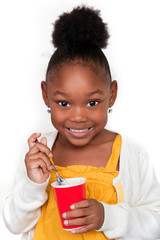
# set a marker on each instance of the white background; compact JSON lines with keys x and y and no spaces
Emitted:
{"x":25,"y":48}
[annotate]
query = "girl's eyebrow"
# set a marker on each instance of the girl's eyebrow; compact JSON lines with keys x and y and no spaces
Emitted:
{"x":98,"y":91}
{"x":60,"y":93}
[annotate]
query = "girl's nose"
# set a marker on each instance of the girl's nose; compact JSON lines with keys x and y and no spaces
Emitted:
{"x":78,"y":114}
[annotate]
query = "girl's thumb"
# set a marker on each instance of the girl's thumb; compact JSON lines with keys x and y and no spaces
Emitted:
{"x":43,"y":140}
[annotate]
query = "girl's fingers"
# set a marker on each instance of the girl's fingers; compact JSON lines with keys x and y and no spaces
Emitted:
{"x":39,"y":163}
{"x":79,"y":221}
{"x":83,"y":204}
{"x":79,"y":209}
{"x":76,"y":213}
{"x":43,"y":140}
{"x":39,"y":147}
{"x":89,"y":213}
{"x":36,"y":146}
{"x":42,"y":156}
{"x":33,"y":139}
{"x":84,"y":229}
{"x":37,"y":159}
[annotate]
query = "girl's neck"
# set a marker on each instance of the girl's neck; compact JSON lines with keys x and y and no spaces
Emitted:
{"x":94,"y":154}
{"x":103,"y":137}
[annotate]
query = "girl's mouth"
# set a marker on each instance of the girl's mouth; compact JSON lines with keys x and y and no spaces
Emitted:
{"x":79,"y":132}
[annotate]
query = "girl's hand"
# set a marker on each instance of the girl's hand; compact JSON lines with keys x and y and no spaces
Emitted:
{"x":37,"y":159}
{"x":91,"y":213}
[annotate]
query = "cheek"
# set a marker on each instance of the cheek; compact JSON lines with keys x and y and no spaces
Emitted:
{"x":100,"y":116}
{"x":104,"y":118}
{"x":56,"y":116}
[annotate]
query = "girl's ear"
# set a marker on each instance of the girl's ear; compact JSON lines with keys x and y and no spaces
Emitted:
{"x":44,"y":93}
{"x":113,"y":93}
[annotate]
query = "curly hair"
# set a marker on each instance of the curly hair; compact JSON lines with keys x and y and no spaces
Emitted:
{"x":79,"y":36}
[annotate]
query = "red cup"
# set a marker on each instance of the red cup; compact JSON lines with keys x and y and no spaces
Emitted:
{"x":68,"y":194}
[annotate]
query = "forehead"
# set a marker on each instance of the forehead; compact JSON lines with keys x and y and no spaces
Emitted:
{"x":78,"y":76}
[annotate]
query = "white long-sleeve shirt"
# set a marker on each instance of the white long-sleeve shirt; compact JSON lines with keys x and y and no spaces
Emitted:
{"x":137,"y":217}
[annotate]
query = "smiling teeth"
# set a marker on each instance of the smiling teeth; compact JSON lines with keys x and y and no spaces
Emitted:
{"x":78,"y":131}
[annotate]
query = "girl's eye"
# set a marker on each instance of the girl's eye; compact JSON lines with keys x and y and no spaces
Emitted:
{"x":92,"y":103}
{"x":63,"y":104}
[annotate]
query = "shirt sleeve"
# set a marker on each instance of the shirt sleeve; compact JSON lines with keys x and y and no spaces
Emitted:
{"x":141,"y":221}
{"x":22,"y":206}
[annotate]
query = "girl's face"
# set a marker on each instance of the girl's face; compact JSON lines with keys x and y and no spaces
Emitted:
{"x":79,"y":99}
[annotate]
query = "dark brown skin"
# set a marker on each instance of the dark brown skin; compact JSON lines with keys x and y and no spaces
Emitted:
{"x":92,"y":214}
{"x":37,"y":159}
{"x":79,"y":99}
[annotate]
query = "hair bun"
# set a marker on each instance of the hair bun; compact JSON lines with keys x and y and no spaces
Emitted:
{"x":82,"y":25}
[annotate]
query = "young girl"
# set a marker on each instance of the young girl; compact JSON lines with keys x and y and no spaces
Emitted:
{"x":123,"y":195}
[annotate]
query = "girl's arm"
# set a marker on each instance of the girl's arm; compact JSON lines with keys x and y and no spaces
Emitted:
{"x":141,"y":221}
{"x":22,"y":207}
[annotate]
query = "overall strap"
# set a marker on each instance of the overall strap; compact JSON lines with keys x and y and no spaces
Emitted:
{"x":115,"y":155}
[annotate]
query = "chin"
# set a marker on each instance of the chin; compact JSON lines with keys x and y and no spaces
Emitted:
{"x":78,"y":142}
